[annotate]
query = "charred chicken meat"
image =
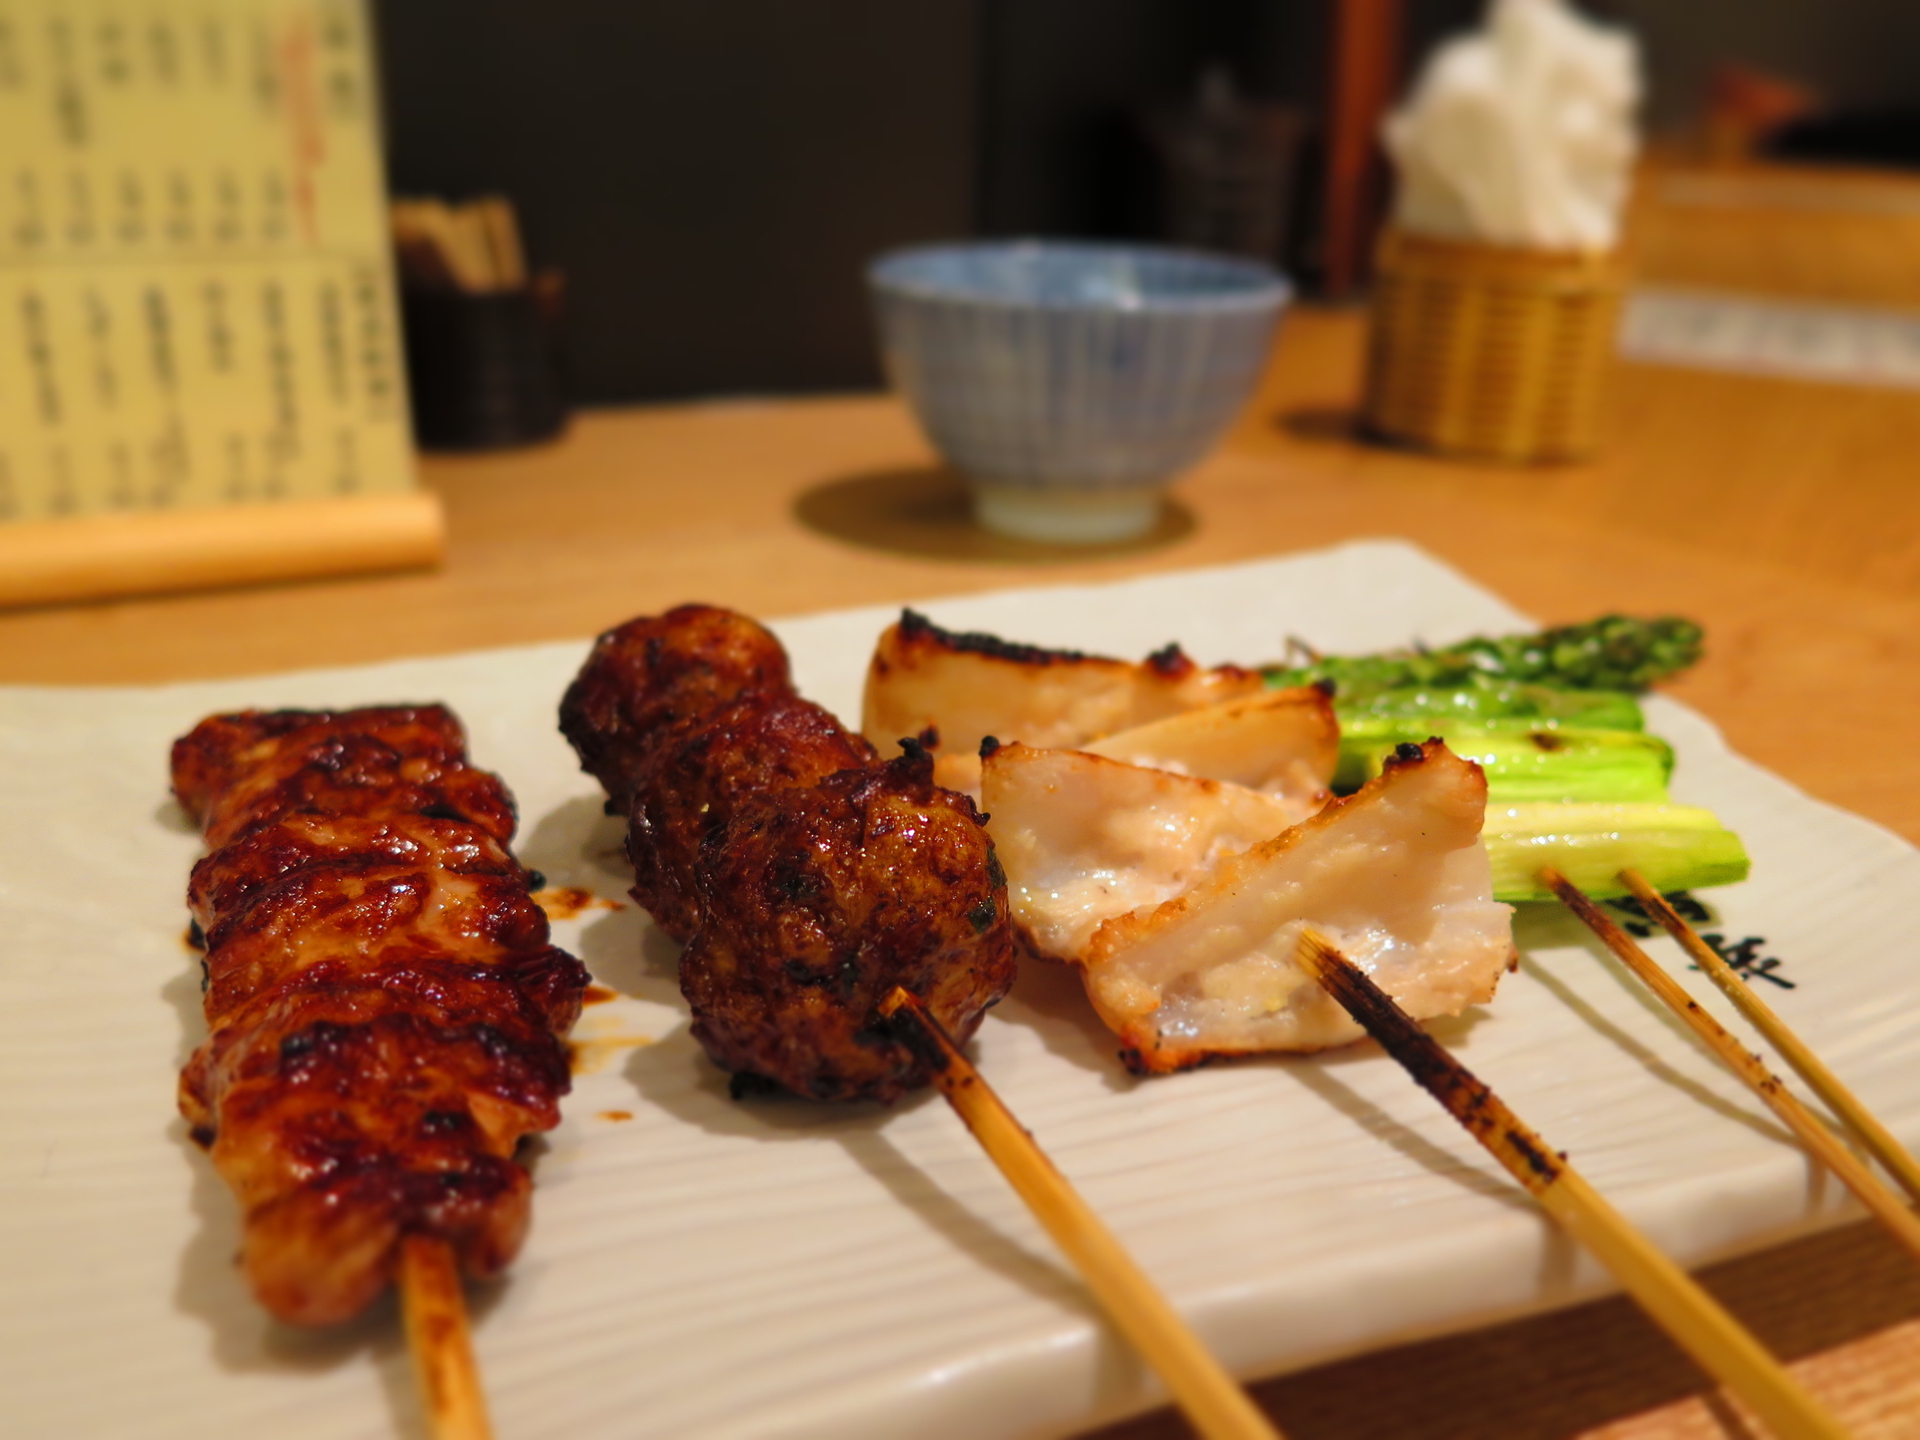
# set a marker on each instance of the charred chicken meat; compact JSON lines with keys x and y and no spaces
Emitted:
{"x":806,"y":876}
{"x":386,"y":1014}
{"x":968,"y":685}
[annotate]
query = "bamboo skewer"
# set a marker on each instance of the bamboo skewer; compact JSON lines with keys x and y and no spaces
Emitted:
{"x":1885,"y":1147}
{"x":436,"y":1320}
{"x":1212,"y":1400}
{"x":1821,"y":1142}
{"x":1680,"y":1307}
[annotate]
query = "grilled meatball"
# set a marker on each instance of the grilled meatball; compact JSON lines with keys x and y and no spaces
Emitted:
{"x":807,"y":877}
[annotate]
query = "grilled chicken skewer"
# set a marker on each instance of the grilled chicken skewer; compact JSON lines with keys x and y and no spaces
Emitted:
{"x":962,"y":687}
{"x":807,"y":877}
{"x":1181,"y":900}
{"x":824,"y":894}
{"x":1168,"y":830}
{"x":387,"y":1016}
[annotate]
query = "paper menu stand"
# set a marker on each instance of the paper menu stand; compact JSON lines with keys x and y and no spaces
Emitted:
{"x":201,"y":379}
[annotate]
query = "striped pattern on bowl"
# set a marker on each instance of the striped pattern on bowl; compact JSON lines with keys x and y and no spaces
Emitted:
{"x":1084,"y":365}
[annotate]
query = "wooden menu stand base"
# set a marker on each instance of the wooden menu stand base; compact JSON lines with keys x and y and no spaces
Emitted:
{"x":102,"y":556}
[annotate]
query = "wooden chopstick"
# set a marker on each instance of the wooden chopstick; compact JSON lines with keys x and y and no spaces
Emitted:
{"x":1824,"y":1145}
{"x":474,"y":248}
{"x":1885,"y":1148}
{"x":1680,"y":1307}
{"x":1212,"y":1400}
{"x":436,"y":1321}
{"x":455,"y":244}
{"x":495,"y":217}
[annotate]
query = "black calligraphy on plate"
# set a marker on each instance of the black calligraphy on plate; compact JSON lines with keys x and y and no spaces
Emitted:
{"x":1743,"y":956}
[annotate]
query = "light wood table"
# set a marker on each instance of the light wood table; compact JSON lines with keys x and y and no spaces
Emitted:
{"x":1786,"y":517}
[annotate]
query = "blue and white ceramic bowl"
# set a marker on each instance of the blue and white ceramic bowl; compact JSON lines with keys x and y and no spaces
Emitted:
{"x":1071,"y":382}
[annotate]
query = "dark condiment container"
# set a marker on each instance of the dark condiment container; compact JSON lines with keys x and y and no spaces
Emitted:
{"x":481,"y":367}
{"x":1228,"y":172}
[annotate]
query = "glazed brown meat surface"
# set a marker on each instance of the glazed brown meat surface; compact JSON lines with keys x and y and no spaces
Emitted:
{"x":386,"y":1014}
{"x":807,"y":876}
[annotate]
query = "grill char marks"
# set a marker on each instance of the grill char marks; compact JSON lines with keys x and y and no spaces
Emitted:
{"x":710,"y":777}
{"x":648,"y":675}
{"x":917,"y":630}
{"x":968,"y":685}
{"x":386,"y":1012}
{"x":233,"y":772}
{"x":806,"y":876}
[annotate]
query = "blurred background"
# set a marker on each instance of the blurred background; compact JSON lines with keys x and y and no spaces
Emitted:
{"x":713,"y":177}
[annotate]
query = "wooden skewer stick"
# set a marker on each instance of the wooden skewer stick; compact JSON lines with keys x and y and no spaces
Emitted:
{"x":1217,"y":1406}
{"x":1822,"y":1143}
{"x":1875,"y":1136}
{"x":502,"y":231}
{"x":1680,"y":1307}
{"x":436,"y":1318}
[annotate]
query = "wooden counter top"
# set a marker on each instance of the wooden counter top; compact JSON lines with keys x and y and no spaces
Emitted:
{"x":1803,"y":559}
{"x":1784,"y":516}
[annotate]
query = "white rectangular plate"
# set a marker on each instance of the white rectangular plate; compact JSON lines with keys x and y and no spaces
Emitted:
{"x":778,"y":1269}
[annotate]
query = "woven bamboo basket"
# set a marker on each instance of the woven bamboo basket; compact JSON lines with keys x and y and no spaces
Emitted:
{"x":1490,"y":351}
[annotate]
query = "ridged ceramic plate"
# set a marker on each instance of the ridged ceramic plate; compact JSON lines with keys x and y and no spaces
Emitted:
{"x":700,"y":1268}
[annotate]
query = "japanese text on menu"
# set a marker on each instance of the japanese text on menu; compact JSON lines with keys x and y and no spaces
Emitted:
{"x":196,"y":302}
